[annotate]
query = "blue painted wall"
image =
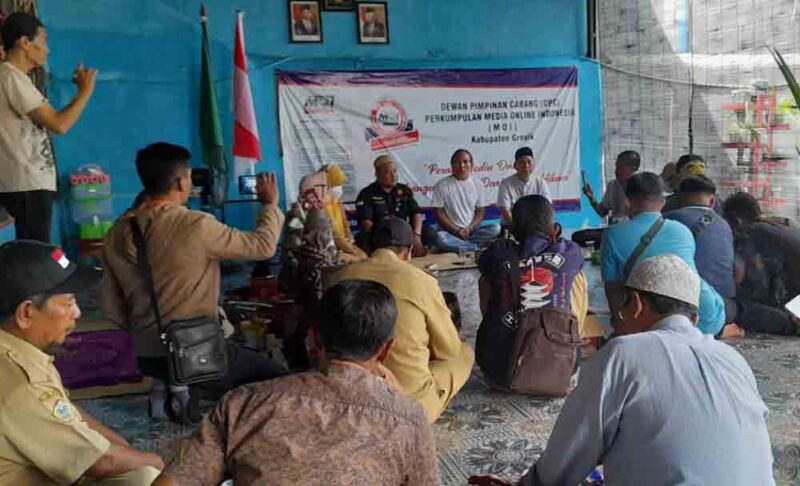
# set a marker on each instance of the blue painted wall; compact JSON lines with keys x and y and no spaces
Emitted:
{"x":147,"y":52}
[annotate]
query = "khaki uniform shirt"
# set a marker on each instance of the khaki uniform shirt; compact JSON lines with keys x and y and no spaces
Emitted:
{"x":43,"y":438}
{"x":184,"y":248}
{"x":424,"y":330}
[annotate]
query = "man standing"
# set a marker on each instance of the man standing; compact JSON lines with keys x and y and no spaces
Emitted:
{"x":428,"y":359}
{"x":28,"y":181}
{"x":459,"y":202}
{"x":344,"y":424}
{"x":521,"y":184}
{"x":387,"y":197}
{"x":645,"y":195}
{"x":713,"y":240}
{"x":768,"y":266}
{"x":661,"y":405}
{"x":184,"y":249}
{"x":614,"y":203}
{"x":37,"y":311}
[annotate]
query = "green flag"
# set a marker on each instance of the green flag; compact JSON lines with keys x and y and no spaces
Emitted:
{"x":210,"y":126}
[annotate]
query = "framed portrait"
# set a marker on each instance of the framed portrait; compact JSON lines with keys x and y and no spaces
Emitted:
{"x":305,"y":21}
{"x":373,"y":22}
{"x":338,"y":5}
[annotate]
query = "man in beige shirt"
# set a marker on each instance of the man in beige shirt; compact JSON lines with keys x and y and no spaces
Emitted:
{"x":27,"y":165}
{"x":45,"y":438}
{"x":428,"y":359}
{"x":184,"y":248}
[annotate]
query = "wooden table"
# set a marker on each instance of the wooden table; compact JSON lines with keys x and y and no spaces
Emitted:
{"x":442,"y":262}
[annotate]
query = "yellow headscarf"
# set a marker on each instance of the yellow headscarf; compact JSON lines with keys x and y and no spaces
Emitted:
{"x":336,"y":176}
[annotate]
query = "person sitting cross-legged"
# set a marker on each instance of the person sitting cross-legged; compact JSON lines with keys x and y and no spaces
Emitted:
{"x":459,"y":202}
{"x":614,"y":203}
{"x":688,"y":165}
{"x":713,"y":237}
{"x":662,"y":404}
{"x":428,"y":359}
{"x":549,"y":276}
{"x":46,"y":438}
{"x":524,"y":183}
{"x":346,"y":423}
{"x":767,"y":266}
{"x":647,"y":232}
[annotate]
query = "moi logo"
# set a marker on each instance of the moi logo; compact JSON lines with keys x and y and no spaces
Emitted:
{"x":318,"y":104}
{"x":391,"y":126}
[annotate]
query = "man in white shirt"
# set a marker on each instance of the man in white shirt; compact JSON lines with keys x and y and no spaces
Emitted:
{"x":521,"y":184}
{"x":28,"y":181}
{"x":459,"y":202}
{"x":663,"y":404}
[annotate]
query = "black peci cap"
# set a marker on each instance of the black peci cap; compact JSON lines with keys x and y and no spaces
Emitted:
{"x":392,"y":231}
{"x":31,"y":267}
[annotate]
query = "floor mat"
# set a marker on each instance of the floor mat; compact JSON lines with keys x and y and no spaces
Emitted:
{"x":485,"y":431}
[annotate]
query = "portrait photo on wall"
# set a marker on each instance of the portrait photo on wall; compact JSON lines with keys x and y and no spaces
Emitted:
{"x":305,"y":21}
{"x":373,"y":22}
{"x":338,"y":5}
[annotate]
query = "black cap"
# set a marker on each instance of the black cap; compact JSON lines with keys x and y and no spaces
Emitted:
{"x":392,"y":231}
{"x":522,"y":152}
{"x":32,"y":267}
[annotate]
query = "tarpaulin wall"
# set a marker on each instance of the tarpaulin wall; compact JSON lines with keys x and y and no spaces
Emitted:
{"x":420,"y":117}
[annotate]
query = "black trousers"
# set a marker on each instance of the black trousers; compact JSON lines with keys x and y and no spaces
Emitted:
{"x":756,"y":317}
{"x":32,"y":212}
{"x":244,"y":366}
{"x":364,"y":238}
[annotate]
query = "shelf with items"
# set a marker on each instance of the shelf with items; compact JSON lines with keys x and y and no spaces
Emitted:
{"x":751,"y":123}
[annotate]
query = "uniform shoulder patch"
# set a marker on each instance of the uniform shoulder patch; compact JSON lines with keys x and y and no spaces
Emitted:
{"x":62,"y":410}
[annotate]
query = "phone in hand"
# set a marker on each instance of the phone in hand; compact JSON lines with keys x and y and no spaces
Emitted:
{"x":247,"y":184}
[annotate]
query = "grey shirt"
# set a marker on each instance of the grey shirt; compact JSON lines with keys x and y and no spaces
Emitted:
{"x":666,"y":407}
{"x":615,"y":201}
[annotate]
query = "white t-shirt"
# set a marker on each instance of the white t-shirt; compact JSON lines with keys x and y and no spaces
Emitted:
{"x":459,"y":199}
{"x":26,"y":157}
{"x":513,"y":188}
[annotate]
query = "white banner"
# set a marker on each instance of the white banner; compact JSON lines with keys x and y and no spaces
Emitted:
{"x":421,"y":117}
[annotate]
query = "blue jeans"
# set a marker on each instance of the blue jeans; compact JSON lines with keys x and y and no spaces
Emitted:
{"x":479,"y":238}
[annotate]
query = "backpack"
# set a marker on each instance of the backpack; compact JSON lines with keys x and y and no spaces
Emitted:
{"x":544,"y":347}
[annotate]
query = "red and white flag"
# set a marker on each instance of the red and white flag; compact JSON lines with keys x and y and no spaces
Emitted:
{"x":246,"y":143}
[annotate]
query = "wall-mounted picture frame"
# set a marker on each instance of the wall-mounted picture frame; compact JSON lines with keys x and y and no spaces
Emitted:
{"x":305,"y":21}
{"x":338,"y":5}
{"x":372,"y":22}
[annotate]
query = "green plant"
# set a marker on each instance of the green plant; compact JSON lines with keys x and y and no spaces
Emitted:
{"x":787,"y":73}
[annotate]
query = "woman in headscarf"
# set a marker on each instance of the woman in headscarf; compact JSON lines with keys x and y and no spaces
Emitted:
{"x":348,"y":251}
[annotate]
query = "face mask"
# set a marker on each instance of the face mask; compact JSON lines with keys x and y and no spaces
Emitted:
{"x":336,"y":192}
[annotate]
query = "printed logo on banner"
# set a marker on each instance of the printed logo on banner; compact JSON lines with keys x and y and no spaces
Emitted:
{"x":391,"y":126}
{"x":318,"y":105}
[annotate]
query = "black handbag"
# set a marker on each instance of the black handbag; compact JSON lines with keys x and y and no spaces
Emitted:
{"x":196,"y":346}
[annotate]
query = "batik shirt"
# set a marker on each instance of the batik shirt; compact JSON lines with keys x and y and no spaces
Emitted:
{"x":348,"y":427}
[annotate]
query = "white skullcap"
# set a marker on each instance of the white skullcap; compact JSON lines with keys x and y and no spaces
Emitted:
{"x":666,"y":275}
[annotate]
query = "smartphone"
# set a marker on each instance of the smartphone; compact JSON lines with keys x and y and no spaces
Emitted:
{"x":247,"y":184}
